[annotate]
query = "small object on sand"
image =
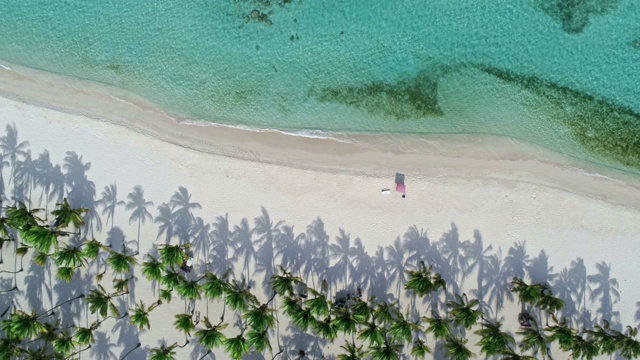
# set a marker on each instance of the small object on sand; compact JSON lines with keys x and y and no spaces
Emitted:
{"x":404,"y":196}
{"x":385,"y":191}
{"x":187,"y":265}
{"x":400,"y":187}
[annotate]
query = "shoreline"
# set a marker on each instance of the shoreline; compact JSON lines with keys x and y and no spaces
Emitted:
{"x":371,"y":155}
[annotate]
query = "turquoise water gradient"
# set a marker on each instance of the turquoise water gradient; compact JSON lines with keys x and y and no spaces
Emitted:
{"x":348,"y":66}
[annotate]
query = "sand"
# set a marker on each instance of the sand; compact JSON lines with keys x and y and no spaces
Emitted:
{"x":508,"y":191}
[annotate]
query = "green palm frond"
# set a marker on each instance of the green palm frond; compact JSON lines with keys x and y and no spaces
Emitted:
{"x":173,"y":255}
{"x":533,"y":340}
{"x":65,"y":215}
{"x":171,"y":279}
{"x":91,"y":248}
{"x":372,"y":333}
{"x":258,"y":341}
{"x":327,"y":329}
{"x":22,"y":251}
{"x":319,"y":305}
{"x":100,"y":301}
{"x":455,"y":348}
{"x":21,"y":218}
{"x":304,"y":319}
{"x":163,"y":353}
{"x":584,"y":348}
{"x":65,"y":273}
{"x":239,"y":297}
{"x":352,"y":352}
{"x":40,"y":258}
{"x":420,"y":350}
{"x":402,"y":329}
{"x":84,"y":336}
{"x":152,"y":269}
{"x":236,"y":347}
{"x":345,"y":321}
{"x":69,"y":256}
{"x":40,"y":237}
{"x":386,"y":351}
{"x":184,"y":323}
{"x":213,"y":287}
{"x":64,"y":344}
{"x":562,"y":334}
{"x":22,"y":325}
{"x":260,"y":318}
{"x":211,"y":336}
{"x":438,"y":326}
{"x":189,"y":290}
{"x":493,"y":341}
{"x":165,"y":294}
{"x":362,"y":310}
{"x":121,"y":285}
{"x":464,"y":312}
{"x":283,"y":284}
{"x":121,"y":263}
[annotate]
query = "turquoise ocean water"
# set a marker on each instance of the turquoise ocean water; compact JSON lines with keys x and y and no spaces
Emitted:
{"x":565,"y":77}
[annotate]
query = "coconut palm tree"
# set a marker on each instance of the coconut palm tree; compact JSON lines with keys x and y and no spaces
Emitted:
{"x":22,"y":325}
{"x":372,"y":333}
{"x":184,"y":323}
{"x":534,"y":339}
{"x":213,"y":287}
{"x":138,"y":204}
{"x":318,"y":304}
{"x":163,"y":352}
{"x":326,"y":328}
{"x":494,"y":341}
{"x":602,"y":337}
{"x":173,"y":255}
{"x":41,"y":238}
{"x":464,"y":312}
{"x":238,"y":296}
{"x":584,"y":348}
{"x":11,"y":148}
{"x":420,"y":282}
{"x":65,"y":215}
{"x":140,"y":314}
{"x":171,"y":279}
{"x":606,"y":289}
{"x":455,"y":348}
{"x":561,"y":333}
{"x":303,"y":318}
{"x":152,"y":269}
{"x":236,"y":347}
{"x":189,"y":290}
{"x":102,"y":302}
{"x":109,"y":202}
{"x":438,"y":326}
{"x":260,"y":318}
{"x":345,"y":321}
{"x":628,"y":345}
{"x":351,"y":352}
{"x":64,"y":343}
{"x":283,"y":284}
{"x":21,"y":218}
{"x":389,"y":350}
{"x":258,"y":340}
{"x":211,"y":336}
{"x":84,"y":336}
{"x":121,"y":263}
{"x":402,"y":329}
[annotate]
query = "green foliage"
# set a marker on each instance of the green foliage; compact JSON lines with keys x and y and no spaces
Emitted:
{"x":84,"y":336}
{"x":152,"y":269}
{"x":402,"y":329}
{"x":70,"y":256}
{"x":40,"y":237}
{"x":352,"y":352}
{"x":465,"y":313}
{"x":22,"y":325}
{"x":121,"y":263}
{"x":165,"y":294}
{"x":184,"y":323}
{"x":65,"y":273}
{"x":562,"y":334}
{"x":163,"y":353}
{"x":283,"y":284}
{"x":420,"y":350}
{"x":171,"y":279}
{"x":238,"y":296}
{"x":64,"y":344}
{"x":327,"y":329}
{"x":258,"y":341}
{"x":173,"y":255}
{"x":493,"y":341}
{"x":260,"y":318}
{"x":211,"y":336}
{"x":438,"y":326}
{"x":21,"y":218}
{"x":455,"y":348}
{"x":189,"y":290}
{"x":386,"y":351}
{"x":65,"y":215}
{"x":236,"y":347}
{"x":91,"y":248}
{"x":319,"y":305}
{"x":102,"y":302}
{"x":372,"y":333}
{"x":213,"y":287}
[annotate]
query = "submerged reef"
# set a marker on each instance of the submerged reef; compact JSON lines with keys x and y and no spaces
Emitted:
{"x":575,"y":15}
{"x":262,"y":10}
{"x":635,"y":43}
{"x":410,"y":98}
{"x":604,"y":128}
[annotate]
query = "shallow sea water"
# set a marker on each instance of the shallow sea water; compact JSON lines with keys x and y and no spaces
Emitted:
{"x":406,"y":66}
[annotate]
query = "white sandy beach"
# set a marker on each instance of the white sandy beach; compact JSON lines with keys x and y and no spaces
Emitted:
{"x":509,"y":192}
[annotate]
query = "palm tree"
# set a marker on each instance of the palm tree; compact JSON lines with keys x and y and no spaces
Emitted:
{"x":561,"y":333}
{"x":173,"y":255}
{"x":534,"y":340}
{"x":420,"y":282}
{"x":606,"y":288}
{"x":171,"y":279}
{"x":65,"y":215}
{"x":100,"y":301}
{"x":419,"y":350}
{"x":319,"y":305}
{"x":463,"y":311}
{"x":40,"y":237}
{"x":11,"y":148}
{"x":189,"y":290}
{"x":352,"y":352}
{"x":21,"y":218}
{"x":345,"y":321}
{"x":402,"y":329}
{"x":152,"y":269}
{"x":140,"y":315}
{"x":389,"y":350}
{"x":258,"y":340}
{"x":164,"y":352}
{"x":260,"y":318}
{"x":109,"y":202}
{"x":283,"y":284}
{"x":184,"y":323}
{"x":584,"y":348}
{"x":121,"y":263}
{"x":211,"y":336}
{"x":327,"y":328}
{"x":22,"y":325}
{"x":84,"y":336}
{"x":213,"y":287}
{"x":455,"y":348}
{"x":236,"y":347}
{"x":64,"y":343}
{"x":438,"y":326}
{"x":493,"y":341}
{"x":239,"y":297}
{"x":139,"y":205}
{"x":303,"y":318}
